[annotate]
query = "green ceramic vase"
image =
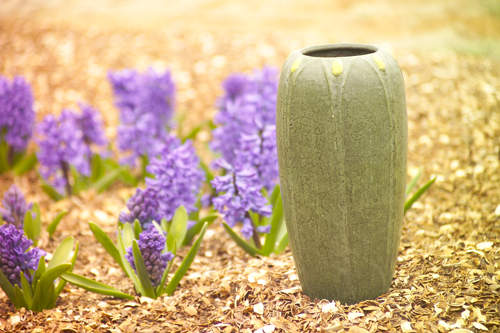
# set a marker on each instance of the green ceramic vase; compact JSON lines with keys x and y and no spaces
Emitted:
{"x":342,"y":137}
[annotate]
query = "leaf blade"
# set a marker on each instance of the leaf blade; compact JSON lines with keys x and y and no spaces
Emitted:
{"x":94,"y":286}
{"x":241,"y":243}
{"x":186,"y":263}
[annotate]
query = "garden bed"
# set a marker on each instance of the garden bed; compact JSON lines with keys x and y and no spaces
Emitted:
{"x":448,"y":270}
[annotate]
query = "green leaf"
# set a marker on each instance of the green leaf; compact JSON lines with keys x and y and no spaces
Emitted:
{"x":106,"y":242}
{"x":62,"y":253}
{"x":142,"y":273}
{"x":137,"y":229}
{"x":62,"y":283}
{"x":98,"y":168}
{"x":126,"y":265}
{"x":94,"y":286}
{"x":161,"y":287}
{"x":195,"y":229}
{"x":8,"y":289}
{"x":274,"y":195}
{"x":191,"y":135}
{"x":55,"y":222}
{"x":276,"y":220}
{"x":27,"y":163}
{"x":4,"y":150}
{"x":418,"y":194}
{"x":255,"y":218}
{"x":39,"y":271}
{"x":178,"y":228}
{"x":413,"y":182}
{"x":158,"y":228}
{"x":37,"y":222}
{"x":165,"y":225}
{"x":45,"y":297}
{"x":108,"y":179}
{"x":209,"y":175}
{"x":241,"y":243}
{"x":127,"y":178}
{"x":20,"y":298}
{"x":282,"y":244}
{"x":51,"y":192}
{"x":144,"y":164}
{"x":128,"y":235}
{"x":51,"y":274}
{"x":28,"y":294}
{"x":186,"y":263}
{"x":80,"y":182}
{"x":29,"y":226}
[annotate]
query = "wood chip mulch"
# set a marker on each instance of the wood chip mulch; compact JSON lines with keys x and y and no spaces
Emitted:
{"x":448,"y":274}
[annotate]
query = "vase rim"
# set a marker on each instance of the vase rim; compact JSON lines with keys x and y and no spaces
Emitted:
{"x":338,"y":50}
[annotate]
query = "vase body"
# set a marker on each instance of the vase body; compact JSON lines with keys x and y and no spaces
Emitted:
{"x":341,"y":131}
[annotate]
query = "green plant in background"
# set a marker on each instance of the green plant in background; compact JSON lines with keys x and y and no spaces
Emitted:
{"x":24,"y":277}
{"x":17,"y":118}
{"x":25,"y":216}
{"x":145,"y":256}
{"x":418,"y":193}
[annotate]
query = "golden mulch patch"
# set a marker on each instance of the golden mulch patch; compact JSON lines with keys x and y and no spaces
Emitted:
{"x":448,"y":273}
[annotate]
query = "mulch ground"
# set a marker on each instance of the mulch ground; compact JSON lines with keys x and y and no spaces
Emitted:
{"x":448,"y":274}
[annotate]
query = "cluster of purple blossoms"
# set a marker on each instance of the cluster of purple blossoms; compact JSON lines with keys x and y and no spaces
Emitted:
{"x":17,"y":116}
{"x":246,"y":122}
{"x":14,"y":207}
{"x":240,"y":192}
{"x":143,"y":206}
{"x":146,"y":102}
{"x":90,"y":123}
{"x":61,"y":145}
{"x":13,"y":256}
{"x":151,"y":244}
{"x":66,"y":141}
{"x":246,"y":139}
{"x":178,"y":178}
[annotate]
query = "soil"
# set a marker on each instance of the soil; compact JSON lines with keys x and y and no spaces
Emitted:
{"x":448,"y":274}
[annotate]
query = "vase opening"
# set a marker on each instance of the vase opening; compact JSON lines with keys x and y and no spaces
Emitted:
{"x":336,"y":51}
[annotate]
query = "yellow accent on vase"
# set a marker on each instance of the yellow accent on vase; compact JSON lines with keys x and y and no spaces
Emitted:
{"x":337,"y":67}
{"x":379,"y":62}
{"x":296,"y":65}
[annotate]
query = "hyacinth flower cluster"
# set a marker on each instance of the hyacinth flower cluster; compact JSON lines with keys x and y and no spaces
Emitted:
{"x":146,"y":256}
{"x":178,"y":178}
{"x":246,"y":140}
{"x":151,"y":245}
{"x":143,"y":206}
{"x":24,"y":276}
{"x":65,"y":147}
{"x":14,"y":254}
{"x":17,"y":120}
{"x":146,"y":102}
{"x":241,"y":199}
{"x":246,"y":123}
{"x":14,"y":207}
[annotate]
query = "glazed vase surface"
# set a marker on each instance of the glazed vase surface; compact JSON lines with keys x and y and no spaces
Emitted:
{"x":341,"y":131}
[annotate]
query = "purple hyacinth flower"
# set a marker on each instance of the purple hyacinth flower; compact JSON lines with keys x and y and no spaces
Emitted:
{"x":13,"y":256}
{"x":144,"y":207}
{"x":14,"y":206}
{"x":239,"y":191}
{"x":246,"y":123}
{"x":61,"y":145}
{"x":146,"y":103}
{"x":17,"y":116}
{"x":151,"y":244}
{"x":90,"y":123}
{"x":177,"y":178}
